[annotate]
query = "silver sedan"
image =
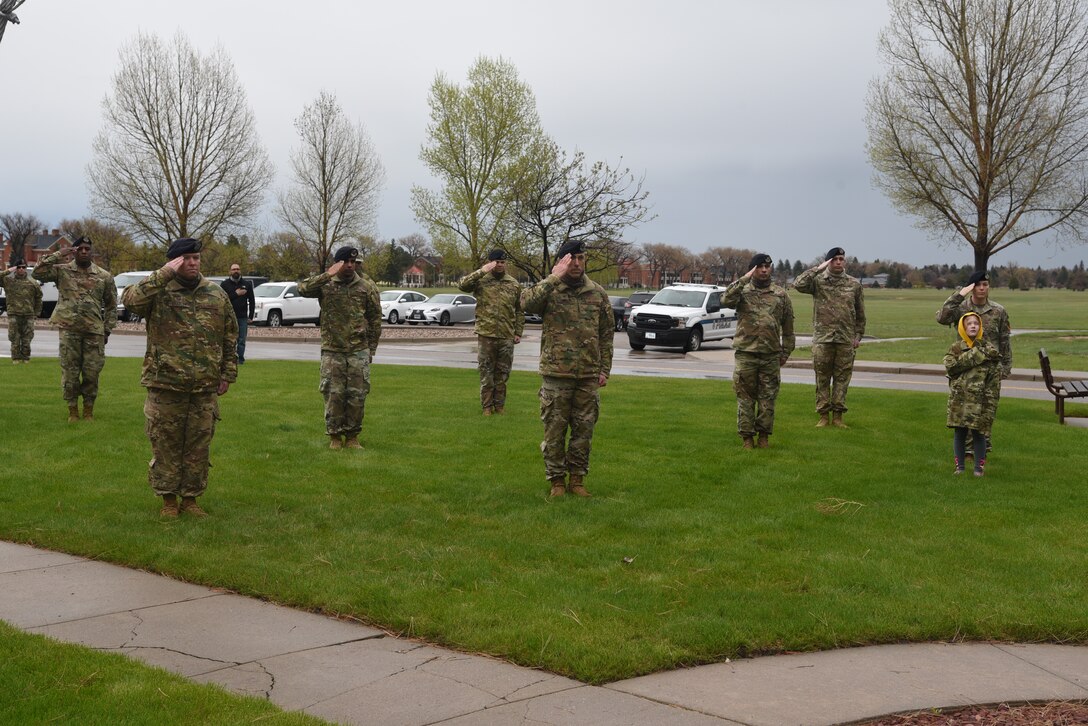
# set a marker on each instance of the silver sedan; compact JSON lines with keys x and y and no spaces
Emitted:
{"x":445,"y":309}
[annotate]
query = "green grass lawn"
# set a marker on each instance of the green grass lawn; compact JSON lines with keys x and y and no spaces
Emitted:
{"x":44,"y":681}
{"x":441,"y":528}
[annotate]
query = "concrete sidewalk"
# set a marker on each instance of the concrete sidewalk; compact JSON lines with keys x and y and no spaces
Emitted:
{"x":354,"y":674}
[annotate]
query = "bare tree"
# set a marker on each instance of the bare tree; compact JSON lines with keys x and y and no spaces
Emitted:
{"x":416,"y":245}
{"x":179,"y":154}
{"x":728,"y":263}
{"x":555,"y":199}
{"x":7,"y":14}
{"x":337,"y":180}
{"x":476,"y":138}
{"x":18,"y":227}
{"x":980,"y":127}
{"x":664,"y":260}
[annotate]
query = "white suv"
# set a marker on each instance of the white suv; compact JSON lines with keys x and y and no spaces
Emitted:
{"x":278,"y":303}
{"x":682,"y":316}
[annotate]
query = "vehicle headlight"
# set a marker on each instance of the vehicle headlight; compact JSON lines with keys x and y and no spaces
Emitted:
{"x":680,"y":322}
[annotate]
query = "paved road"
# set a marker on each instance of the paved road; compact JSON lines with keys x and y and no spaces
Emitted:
{"x":714,"y":361}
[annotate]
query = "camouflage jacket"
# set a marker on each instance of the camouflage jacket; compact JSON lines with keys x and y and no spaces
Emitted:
{"x":87,"y":299}
{"x":838,"y":305}
{"x":578,"y":328}
{"x":351,"y":312}
{"x":192,"y":334}
{"x":972,"y":374}
{"x":24,"y":294}
{"x":995,"y":324}
{"x":764,"y":318}
{"x":498,"y":304}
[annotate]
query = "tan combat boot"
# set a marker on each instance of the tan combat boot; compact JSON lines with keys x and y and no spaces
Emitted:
{"x":352,"y":442}
{"x":73,"y":412}
{"x":88,"y":411}
{"x":335,"y":442}
{"x":169,"y":506}
{"x":498,"y":411}
{"x":836,"y":420}
{"x":576,"y":486}
{"x":748,"y":443}
{"x":764,"y":442}
{"x":823,"y":421}
{"x":559,"y":487}
{"x":487,"y":412}
{"x":189,"y":506}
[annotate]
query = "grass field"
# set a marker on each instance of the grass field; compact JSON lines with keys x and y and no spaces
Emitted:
{"x":44,"y":681}
{"x":441,"y":528}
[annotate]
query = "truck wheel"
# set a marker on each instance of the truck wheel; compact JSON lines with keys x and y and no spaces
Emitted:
{"x":695,"y":341}
{"x":637,"y":346}
{"x":275,"y":319}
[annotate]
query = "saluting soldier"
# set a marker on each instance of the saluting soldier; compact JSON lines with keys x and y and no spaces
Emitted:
{"x":24,"y":305}
{"x":86,"y":314}
{"x":351,"y":324}
{"x":838,"y":324}
{"x":762,"y":345}
{"x":974,"y":297}
{"x":499,"y":325}
{"x":575,"y":361}
{"x":191,"y":360}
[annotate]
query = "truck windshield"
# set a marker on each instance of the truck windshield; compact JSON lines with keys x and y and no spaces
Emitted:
{"x":680,"y":298}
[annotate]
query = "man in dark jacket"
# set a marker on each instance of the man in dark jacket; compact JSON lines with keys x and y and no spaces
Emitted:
{"x":240,"y":292}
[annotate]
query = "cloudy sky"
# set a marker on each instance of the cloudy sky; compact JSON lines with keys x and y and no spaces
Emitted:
{"x":746,"y":116}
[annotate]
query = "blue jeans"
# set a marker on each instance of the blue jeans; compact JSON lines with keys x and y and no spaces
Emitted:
{"x":243,"y":328}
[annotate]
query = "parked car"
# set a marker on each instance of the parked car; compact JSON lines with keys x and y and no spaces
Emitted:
{"x":636,"y":299}
{"x":445,"y":309}
{"x":682,"y":316}
{"x":533,"y":318}
{"x":278,"y":303}
{"x":396,"y":304}
{"x":122,"y":281}
{"x":618,"y":306}
{"x":49,"y":297}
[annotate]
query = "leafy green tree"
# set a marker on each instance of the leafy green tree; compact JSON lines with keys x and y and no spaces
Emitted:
{"x":476,"y":139}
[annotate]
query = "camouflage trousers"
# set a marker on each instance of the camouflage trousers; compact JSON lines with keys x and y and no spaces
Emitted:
{"x":345,"y":382}
{"x":834,"y":365}
{"x":82,"y":357}
{"x":756,"y":378}
{"x":180,"y":427}
{"x":494,"y":358}
{"x":20,"y":333}
{"x":574,"y":404}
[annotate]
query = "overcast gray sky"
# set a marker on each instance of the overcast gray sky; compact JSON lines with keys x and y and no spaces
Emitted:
{"x":746,"y":116}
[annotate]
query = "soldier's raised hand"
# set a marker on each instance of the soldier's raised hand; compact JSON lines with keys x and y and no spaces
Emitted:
{"x":967,"y":290}
{"x":561,"y":267}
{"x":335,"y":269}
{"x":175,"y":264}
{"x":489,"y":266}
{"x":823,"y":266}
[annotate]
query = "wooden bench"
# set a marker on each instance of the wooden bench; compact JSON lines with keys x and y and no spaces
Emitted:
{"x":1062,"y":389}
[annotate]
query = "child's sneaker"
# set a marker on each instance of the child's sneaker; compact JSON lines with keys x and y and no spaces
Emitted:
{"x":980,"y":467}
{"x":959,"y":466}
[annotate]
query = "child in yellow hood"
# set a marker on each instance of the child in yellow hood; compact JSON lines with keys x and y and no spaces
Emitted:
{"x":972,"y":365}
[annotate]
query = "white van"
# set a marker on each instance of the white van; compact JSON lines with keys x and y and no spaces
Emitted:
{"x":682,"y":316}
{"x":127,"y":279}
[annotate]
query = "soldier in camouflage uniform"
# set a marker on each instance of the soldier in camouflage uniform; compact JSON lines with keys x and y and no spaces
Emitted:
{"x":972,"y":364}
{"x":24,"y":304}
{"x":351,"y":324}
{"x":575,"y":360}
{"x":838,"y":322}
{"x":499,"y":324}
{"x":762,"y":344}
{"x":975,"y":298}
{"x":191,"y":360}
{"x":86,"y":313}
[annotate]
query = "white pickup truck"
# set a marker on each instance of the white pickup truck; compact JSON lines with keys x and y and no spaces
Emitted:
{"x":278,"y":303}
{"x":682,"y":316}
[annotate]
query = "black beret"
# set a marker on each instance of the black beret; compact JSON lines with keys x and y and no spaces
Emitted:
{"x":345,"y":254}
{"x":978,"y":277}
{"x":760,"y":259}
{"x":834,"y":252}
{"x":571,"y":247}
{"x":496,"y":255}
{"x":19,"y":263}
{"x":84,"y":240}
{"x":183,"y":246}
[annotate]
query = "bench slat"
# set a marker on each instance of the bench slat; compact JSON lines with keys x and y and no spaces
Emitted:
{"x":1075,"y":389}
